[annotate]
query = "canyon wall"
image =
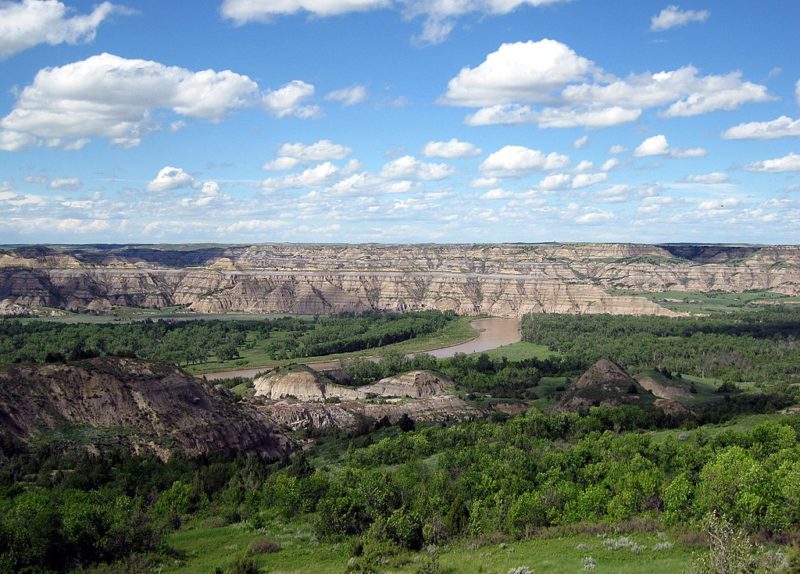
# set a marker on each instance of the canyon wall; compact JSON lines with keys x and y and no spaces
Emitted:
{"x":505,"y":280}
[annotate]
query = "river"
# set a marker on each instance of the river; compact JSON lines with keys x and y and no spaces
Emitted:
{"x":492,"y":333}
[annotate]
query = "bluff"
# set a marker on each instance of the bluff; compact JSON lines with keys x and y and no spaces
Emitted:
{"x":147,"y":407}
{"x":506,"y":280}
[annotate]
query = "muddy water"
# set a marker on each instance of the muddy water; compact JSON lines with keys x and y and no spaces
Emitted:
{"x":492,"y":333}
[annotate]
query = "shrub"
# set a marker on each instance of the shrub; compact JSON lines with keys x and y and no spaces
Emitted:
{"x":263,"y":546}
{"x":243,"y":565}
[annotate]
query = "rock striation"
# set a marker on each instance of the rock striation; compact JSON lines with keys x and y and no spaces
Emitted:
{"x":505,"y":280}
{"x":144,"y":406}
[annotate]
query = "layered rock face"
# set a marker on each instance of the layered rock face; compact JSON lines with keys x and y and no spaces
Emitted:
{"x":147,"y":406}
{"x":502,"y":280}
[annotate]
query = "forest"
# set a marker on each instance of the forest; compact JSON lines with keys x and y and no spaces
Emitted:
{"x":411,"y":496}
{"x":184,"y":343}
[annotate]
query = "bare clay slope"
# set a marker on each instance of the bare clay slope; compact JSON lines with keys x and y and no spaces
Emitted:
{"x":505,"y":280}
{"x":151,"y":407}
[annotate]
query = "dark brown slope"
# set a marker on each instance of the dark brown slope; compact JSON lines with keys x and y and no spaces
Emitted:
{"x":605,"y":383}
{"x":146,"y":406}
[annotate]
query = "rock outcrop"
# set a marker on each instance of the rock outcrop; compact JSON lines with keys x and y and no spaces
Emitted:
{"x":415,"y":384}
{"x":145,"y":406}
{"x":305,"y":415}
{"x":303,"y":384}
{"x":605,"y":383}
{"x":504,"y":280}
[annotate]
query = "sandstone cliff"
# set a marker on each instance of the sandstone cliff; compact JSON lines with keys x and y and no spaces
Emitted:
{"x":504,"y":280}
{"x":145,"y":406}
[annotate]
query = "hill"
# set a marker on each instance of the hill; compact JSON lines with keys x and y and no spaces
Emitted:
{"x":139,"y":405}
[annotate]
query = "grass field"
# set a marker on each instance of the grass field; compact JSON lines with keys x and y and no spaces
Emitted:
{"x":713,"y":302}
{"x":209,"y":548}
{"x":454,"y":333}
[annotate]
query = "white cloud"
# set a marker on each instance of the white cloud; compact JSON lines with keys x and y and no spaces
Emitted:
{"x":28,"y":23}
{"x":617,"y":149}
{"x":408,"y":167}
{"x":348,"y":96}
{"x":655,"y":145}
{"x":65,"y":183}
{"x":15,"y":141}
{"x":528,"y":72}
{"x":581,"y":142}
{"x":659,"y":146}
{"x":717,"y":204}
{"x":609,"y":164}
{"x":316,"y":176}
{"x":514,"y":160}
{"x":584,"y":165}
{"x":497,"y":193}
{"x":450,"y":149}
{"x":586,"y":179}
{"x":170,"y":178}
{"x":255,"y":225}
{"x":73,"y":225}
{"x":685,"y":90}
{"x":484,"y":182}
{"x":554,"y":181}
{"x":594,"y":217}
{"x":574,"y":92}
{"x":782,"y":127}
{"x":440,"y":14}
{"x":290,"y":155}
{"x":673,"y":16}
{"x":114,"y":98}
{"x":713,"y":178}
{"x":598,"y":118}
{"x":244,"y":11}
{"x":789,"y":162}
{"x":288,"y":100}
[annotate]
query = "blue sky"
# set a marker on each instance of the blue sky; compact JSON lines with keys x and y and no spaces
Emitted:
{"x":399,"y":121}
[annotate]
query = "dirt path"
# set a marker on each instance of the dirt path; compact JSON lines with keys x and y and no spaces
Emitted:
{"x":492,"y":333}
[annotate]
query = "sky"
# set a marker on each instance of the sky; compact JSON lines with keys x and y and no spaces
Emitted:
{"x":399,"y":121}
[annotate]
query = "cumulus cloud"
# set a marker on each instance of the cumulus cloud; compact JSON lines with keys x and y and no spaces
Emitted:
{"x":440,"y":15}
{"x":713,"y":178}
{"x":548,"y":83}
{"x":289,"y":100}
{"x":528,"y":72}
{"x":672,"y":17}
{"x":789,"y":162}
{"x":244,"y":11}
{"x":554,"y":181}
{"x":409,"y":167}
{"x":450,"y":149}
{"x":512,"y":160}
{"x":170,"y":178}
{"x":659,"y":146}
{"x":111,"y":97}
{"x":617,"y":149}
{"x":609,"y":164}
{"x":316,"y":176}
{"x":782,"y":127}
{"x":290,"y":155}
{"x":586,"y":179}
{"x":348,"y":96}
{"x":28,"y":23}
